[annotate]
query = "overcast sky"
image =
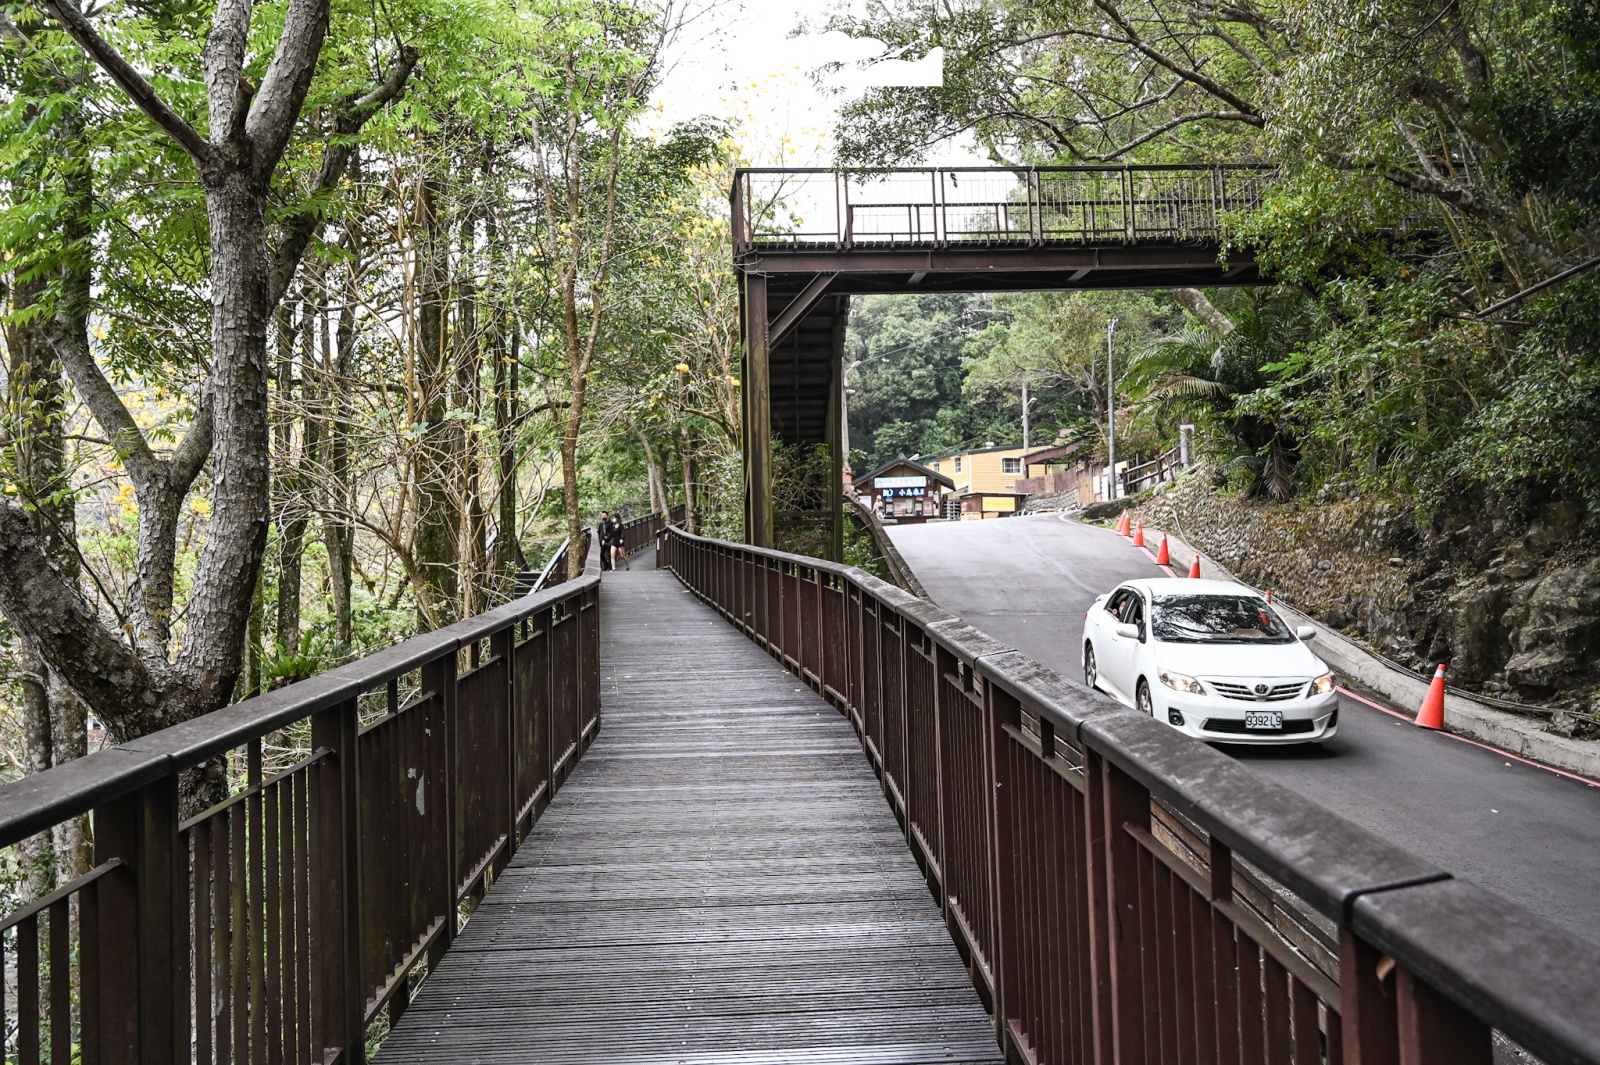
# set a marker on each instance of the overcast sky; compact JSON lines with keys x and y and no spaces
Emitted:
{"x":744,"y":63}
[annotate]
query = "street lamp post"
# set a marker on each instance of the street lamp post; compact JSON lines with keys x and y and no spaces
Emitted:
{"x":1111,"y":412}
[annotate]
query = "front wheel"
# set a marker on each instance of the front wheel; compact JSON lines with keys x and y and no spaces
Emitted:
{"x":1091,"y":672}
{"x":1146,"y":706}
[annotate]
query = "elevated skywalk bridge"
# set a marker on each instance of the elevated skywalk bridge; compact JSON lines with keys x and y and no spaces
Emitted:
{"x":806,"y":240}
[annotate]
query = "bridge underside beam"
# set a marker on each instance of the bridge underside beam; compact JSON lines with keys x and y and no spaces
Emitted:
{"x":796,"y":302}
{"x":863,"y":271}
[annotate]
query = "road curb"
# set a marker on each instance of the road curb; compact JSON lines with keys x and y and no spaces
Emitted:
{"x":1497,"y":728}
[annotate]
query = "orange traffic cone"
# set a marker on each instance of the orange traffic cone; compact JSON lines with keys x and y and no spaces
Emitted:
{"x":1432,"y":713}
{"x":1138,"y":535}
{"x":1122,"y":524}
{"x":1163,"y":557}
{"x":1269,"y":595}
{"x":1194,"y":569}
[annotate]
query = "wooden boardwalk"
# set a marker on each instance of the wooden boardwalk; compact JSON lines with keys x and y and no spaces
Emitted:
{"x":721,"y":881}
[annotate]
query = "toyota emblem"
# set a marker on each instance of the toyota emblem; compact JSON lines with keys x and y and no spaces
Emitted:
{"x":1261,"y":689}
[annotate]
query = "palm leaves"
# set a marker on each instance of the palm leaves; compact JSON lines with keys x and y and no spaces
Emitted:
{"x":1199,"y":376}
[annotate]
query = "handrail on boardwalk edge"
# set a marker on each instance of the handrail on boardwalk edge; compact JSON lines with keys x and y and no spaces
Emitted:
{"x":1026,"y":798}
{"x":280,"y":923}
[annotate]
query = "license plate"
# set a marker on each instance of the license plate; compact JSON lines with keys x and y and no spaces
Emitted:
{"x":1264,"y":719}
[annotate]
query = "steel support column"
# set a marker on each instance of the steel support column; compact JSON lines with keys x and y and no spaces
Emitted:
{"x":757,"y":382}
{"x":836,"y":456}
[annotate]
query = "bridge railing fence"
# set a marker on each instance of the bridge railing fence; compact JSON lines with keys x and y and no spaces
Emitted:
{"x":1027,"y":799}
{"x":378,"y":801}
{"x":989,"y":205}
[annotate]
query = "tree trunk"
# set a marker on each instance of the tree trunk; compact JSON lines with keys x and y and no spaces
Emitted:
{"x":468,"y":352}
{"x":291,"y":557}
{"x":436,"y":534}
{"x":69,"y":729}
{"x":337,"y":533}
{"x":569,"y":493}
{"x":691,"y":502}
{"x":219,"y":600}
{"x":250,"y":124}
{"x":505,"y":431}
{"x":653,"y":475}
{"x":1196,"y":303}
{"x":36,"y":854}
{"x":252,"y":644}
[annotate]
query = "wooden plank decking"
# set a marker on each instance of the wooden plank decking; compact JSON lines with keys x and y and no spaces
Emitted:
{"x":721,"y":881}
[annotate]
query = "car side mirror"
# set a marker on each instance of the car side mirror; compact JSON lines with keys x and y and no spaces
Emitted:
{"x":1306,"y":632}
{"x":1128,"y":632}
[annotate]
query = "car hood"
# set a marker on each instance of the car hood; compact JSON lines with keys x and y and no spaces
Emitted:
{"x":1239,"y":660}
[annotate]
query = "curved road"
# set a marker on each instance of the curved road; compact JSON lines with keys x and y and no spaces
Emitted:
{"x":1518,"y":829}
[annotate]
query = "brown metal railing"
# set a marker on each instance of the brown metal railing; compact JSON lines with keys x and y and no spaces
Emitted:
{"x":642,"y":531}
{"x":1158,"y":470}
{"x":1028,"y":801}
{"x":275,"y":926}
{"x":944,"y":206}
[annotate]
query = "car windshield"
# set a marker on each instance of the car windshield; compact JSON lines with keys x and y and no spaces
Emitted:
{"x":1217,"y":619}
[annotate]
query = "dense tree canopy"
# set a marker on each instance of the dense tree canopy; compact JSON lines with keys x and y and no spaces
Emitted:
{"x":1431,"y":160}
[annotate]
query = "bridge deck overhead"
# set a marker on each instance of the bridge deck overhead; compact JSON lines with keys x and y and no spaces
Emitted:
{"x":720,"y":880}
{"x":805,"y":240}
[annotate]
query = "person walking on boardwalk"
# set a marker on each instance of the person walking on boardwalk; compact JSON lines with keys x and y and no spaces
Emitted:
{"x":619,"y":552}
{"x":602,"y":537}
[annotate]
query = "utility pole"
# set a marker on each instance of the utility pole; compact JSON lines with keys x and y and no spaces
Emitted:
{"x":1111,"y":412}
{"x":1024,"y":425}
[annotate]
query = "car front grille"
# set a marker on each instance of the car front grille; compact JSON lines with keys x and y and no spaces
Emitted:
{"x":1236,"y":728}
{"x":1275,"y":693}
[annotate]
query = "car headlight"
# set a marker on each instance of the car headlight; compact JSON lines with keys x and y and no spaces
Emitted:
{"x":1181,"y":683}
{"x":1322,"y":685}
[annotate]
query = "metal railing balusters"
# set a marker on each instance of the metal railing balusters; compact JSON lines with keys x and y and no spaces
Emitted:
{"x":240,"y":935}
{"x":1089,"y":937}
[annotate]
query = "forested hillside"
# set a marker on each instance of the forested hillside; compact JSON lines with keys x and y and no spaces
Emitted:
{"x":319,"y":322}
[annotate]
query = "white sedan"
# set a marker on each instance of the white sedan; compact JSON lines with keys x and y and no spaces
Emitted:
{"x":1210,"y":658}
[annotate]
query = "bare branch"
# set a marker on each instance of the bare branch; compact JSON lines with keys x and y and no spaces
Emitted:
{"x":1187,"y":73}
{"x":103,"y":402}
{"x":283,"y":87}
{"x":131,"y":81}
{"x":302,"y":225}
{"x":194,"y":449}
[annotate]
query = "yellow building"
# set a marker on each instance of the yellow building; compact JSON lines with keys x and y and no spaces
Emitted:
{"x":981,"y":469}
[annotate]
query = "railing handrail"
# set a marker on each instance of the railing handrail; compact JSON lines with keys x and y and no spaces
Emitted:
{"x":1157,"y":461}
{"x":1073,"y":708}
{"x":35,"y":803}
{"x":1075,"y":168}
{"x":1504,"y":965}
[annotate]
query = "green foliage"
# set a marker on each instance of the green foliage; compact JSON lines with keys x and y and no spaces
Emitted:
{"x":1548,"y":114}
{"x":909,"y":396}
{"x":1535,"y":439}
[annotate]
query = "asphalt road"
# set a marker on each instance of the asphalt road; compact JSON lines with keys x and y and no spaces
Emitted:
{"x":1520,"y":830}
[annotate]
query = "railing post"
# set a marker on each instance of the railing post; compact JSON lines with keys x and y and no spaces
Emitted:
{"x":1114,"y":800}
{"x":439,"y":677}
{"x":1367,"y":1003}
{"x":503,"y":645}
{"x":336,"y":876}
{"x":143,"y":910}
{"x":1435,"y":1031}
{"x":999,"y":710}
